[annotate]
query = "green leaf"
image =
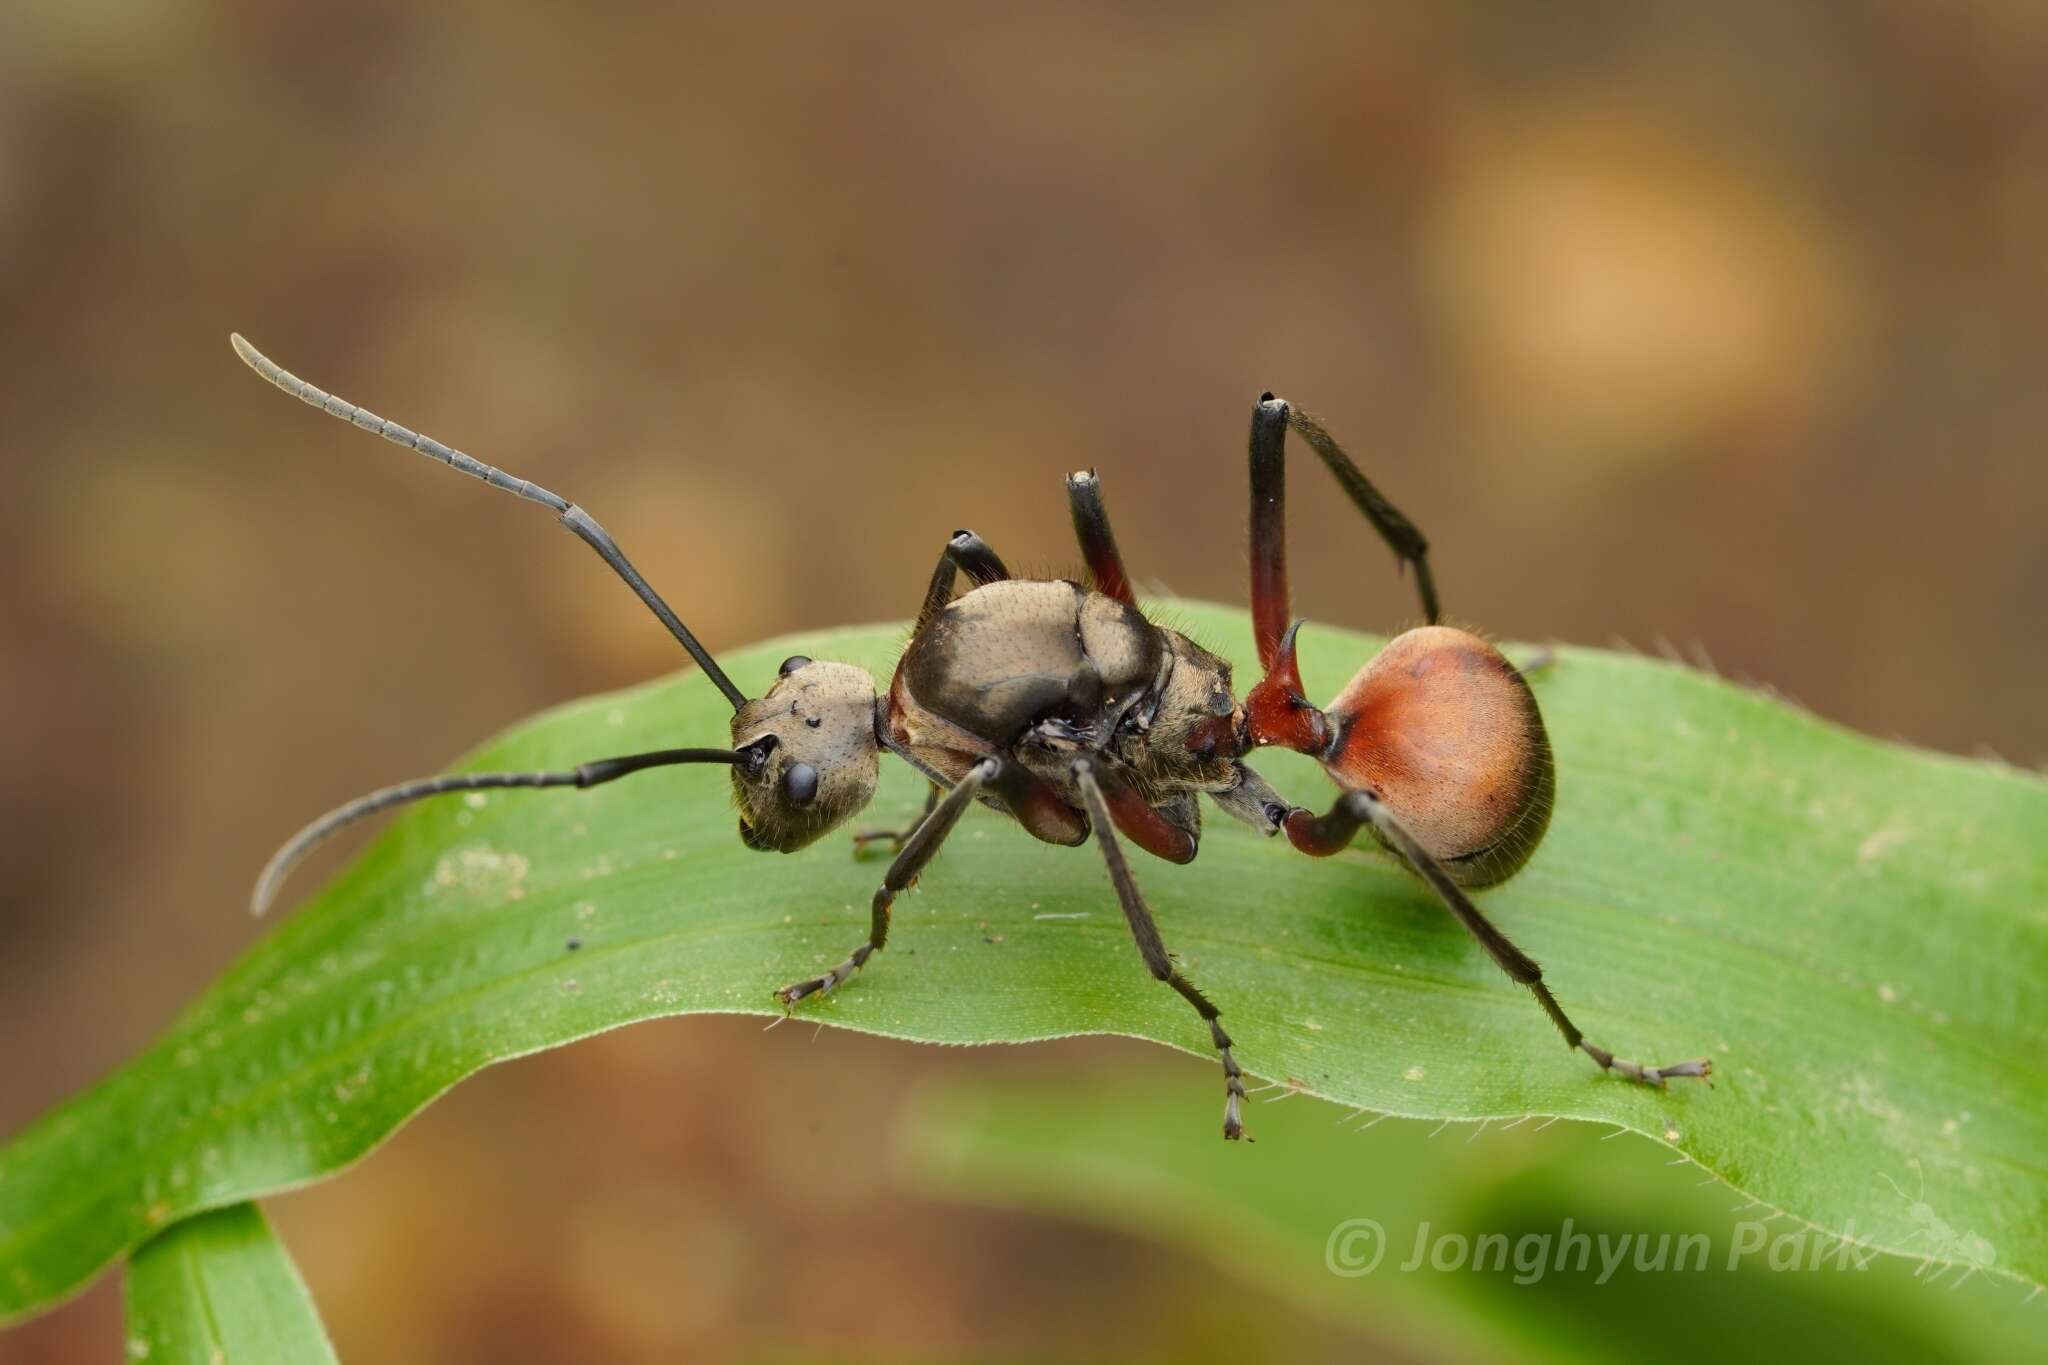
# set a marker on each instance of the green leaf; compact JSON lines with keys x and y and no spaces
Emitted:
{"x":1857,"y":932}
{"x":1550,"y":1245}
{"x":220,"y":1289}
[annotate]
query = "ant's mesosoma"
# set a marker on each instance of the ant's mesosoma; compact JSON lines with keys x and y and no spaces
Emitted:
{"x":1062,"y":706}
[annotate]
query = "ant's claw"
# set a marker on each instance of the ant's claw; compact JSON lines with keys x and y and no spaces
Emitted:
{"x":1233,"y":1126}
{"x":792,"y":994}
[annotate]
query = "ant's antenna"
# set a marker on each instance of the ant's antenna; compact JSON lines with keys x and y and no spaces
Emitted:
{"x":572,"y":516}
{"x":584,"y":775}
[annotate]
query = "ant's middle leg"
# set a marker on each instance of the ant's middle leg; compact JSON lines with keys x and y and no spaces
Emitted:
{"x":917,"y":851}
{"x":1320,"y":836}
{"x":1098,"y":542}
{"x":1152,"y":948}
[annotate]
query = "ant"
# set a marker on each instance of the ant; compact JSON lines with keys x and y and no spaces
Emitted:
{"x":1062,"y":706}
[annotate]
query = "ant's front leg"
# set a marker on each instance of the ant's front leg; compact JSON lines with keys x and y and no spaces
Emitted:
{"x":965,"y":553}
{"x":896,"y":838}
{"x":1327,"y":834}
{"x":917,"y":851}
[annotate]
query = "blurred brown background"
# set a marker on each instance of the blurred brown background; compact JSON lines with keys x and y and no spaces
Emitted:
{"x":1723,"y":324}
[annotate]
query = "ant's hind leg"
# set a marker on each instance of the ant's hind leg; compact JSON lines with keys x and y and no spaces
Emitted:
{"x":917,"y":851}
{"x":1150,"y":947}
{"x":1270,"y":605}
{"x":1254,"y":801}
{"x":896,"y":838}
{"x":1321,"y":836}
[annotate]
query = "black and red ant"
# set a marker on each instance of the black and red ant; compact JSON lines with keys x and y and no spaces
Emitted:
{"x":1062,"y":706}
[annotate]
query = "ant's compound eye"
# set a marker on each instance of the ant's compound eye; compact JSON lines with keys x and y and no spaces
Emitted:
{"x":800,"y":784}
{"x":791,"y":665}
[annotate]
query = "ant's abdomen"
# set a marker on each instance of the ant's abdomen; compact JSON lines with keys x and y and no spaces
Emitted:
{"x":1445,"y":731}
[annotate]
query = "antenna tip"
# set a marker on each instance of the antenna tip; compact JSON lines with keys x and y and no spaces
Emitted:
{"x":264,"y":894}
{"x":248,"y":353}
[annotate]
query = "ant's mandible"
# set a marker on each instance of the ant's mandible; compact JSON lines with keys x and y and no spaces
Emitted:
{"x":1063,"y":707}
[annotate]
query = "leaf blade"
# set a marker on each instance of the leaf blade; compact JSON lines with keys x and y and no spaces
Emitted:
{"x":1480,"y":1242}
{"x":220,"y":1289}
{"x":1723,"y":871}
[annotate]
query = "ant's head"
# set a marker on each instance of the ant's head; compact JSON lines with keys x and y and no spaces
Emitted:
{"x":804,"y":756}
{"x":812,"y":758}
